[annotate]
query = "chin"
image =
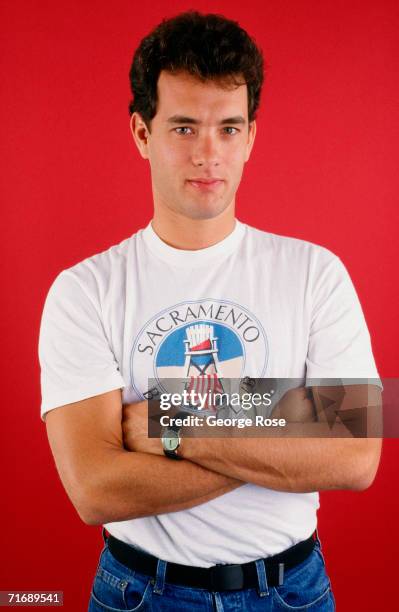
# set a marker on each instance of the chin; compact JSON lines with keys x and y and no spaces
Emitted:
{"x":203,"y":211}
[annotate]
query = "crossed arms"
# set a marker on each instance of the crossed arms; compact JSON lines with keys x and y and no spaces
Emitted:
{"x":112,"y":471}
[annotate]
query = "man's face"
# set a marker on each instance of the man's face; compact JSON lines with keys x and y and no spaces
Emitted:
{"x":199,"y":134}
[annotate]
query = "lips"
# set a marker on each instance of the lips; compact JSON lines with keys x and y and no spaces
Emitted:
{"x":205,"y":183}
{"x":205,"y":180}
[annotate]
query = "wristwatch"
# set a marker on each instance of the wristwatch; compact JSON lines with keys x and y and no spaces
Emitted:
{"x":171,"y":438}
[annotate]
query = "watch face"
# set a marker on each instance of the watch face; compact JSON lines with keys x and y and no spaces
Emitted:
{"x":171,"y":440}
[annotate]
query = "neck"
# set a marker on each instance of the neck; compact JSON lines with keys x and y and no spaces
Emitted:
{"x":192,"y":234}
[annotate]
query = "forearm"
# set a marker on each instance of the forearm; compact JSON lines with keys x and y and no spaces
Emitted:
{"x":133,"y":484}
{"x":314,"y":451}
{"x":291,"y":463}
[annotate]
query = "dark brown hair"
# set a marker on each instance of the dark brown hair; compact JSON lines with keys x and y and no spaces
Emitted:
{"x":207,"y":46}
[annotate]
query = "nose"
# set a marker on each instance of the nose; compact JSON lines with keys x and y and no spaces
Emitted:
{"x":206,"y":151}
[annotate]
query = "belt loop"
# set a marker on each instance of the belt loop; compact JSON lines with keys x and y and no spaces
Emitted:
{"x":104,"y":536}
{"x":160,"y":577}
{"x":262,"y":579}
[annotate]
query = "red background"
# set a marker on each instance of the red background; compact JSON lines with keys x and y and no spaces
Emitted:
{"x":324,"y":168}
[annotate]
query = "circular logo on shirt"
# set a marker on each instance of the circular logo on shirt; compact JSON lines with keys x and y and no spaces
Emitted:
{"x":201,"y":342}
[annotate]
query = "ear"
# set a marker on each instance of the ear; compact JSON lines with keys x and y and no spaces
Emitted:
{"x":140,"y":134}
{"x":251,"y":139}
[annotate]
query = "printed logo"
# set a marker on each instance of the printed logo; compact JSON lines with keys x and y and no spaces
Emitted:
{"x":200,"y":342}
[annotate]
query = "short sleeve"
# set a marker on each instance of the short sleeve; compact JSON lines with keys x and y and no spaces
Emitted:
{"x":339,"y":340}
{"x":76,"y":359}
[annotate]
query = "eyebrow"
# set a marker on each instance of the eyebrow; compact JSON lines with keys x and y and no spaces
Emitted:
{"x":237,"y":120}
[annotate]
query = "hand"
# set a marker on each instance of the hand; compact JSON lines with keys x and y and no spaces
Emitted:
{"x":296,"y":406}
{"x":135,"y":429}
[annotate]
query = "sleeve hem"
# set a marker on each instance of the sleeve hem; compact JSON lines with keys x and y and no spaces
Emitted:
{"x":76,"y":395}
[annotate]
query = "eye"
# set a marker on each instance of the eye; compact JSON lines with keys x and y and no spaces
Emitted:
{"x":231,"y":128}
{"x":182,"y":128}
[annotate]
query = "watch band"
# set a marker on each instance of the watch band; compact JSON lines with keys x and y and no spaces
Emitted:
{"x":172,"y":454}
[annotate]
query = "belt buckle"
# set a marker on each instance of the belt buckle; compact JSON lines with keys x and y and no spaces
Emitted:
{"x":226,"y":577}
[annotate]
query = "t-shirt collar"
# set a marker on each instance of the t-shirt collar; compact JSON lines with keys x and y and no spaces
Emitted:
{"x":192,"y":258}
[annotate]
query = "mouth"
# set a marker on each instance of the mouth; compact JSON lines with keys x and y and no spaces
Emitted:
{"x":205,"y":184}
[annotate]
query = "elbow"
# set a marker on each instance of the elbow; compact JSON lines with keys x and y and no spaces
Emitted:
{"x":367,"y":466}
{"x":93,"y":507}
{"x":89,"y":512}
{"x":362,"y":483}
{"x":91,"y":515}
{"x":89,"y":501}
{"x":90,"y":518}
{"x":97,"y":506}
{"x":364,"y":480}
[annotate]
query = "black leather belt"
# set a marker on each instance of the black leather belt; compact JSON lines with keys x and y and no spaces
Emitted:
{"x":217,"y":577}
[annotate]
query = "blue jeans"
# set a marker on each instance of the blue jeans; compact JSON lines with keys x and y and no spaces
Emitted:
{"x":116,"y":588}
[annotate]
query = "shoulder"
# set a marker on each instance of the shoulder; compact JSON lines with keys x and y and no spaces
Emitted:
{"x":101,"y":265}
{"x":96,"y":275}
{"x":96,"y":278}
{"x":299,"y":263}
{"x":291,"y":250}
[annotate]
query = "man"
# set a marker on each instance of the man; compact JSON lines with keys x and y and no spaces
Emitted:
{"x":199,"y":294}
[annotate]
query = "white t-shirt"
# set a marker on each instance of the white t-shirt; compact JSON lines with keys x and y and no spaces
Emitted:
{"x":278,"y":306}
